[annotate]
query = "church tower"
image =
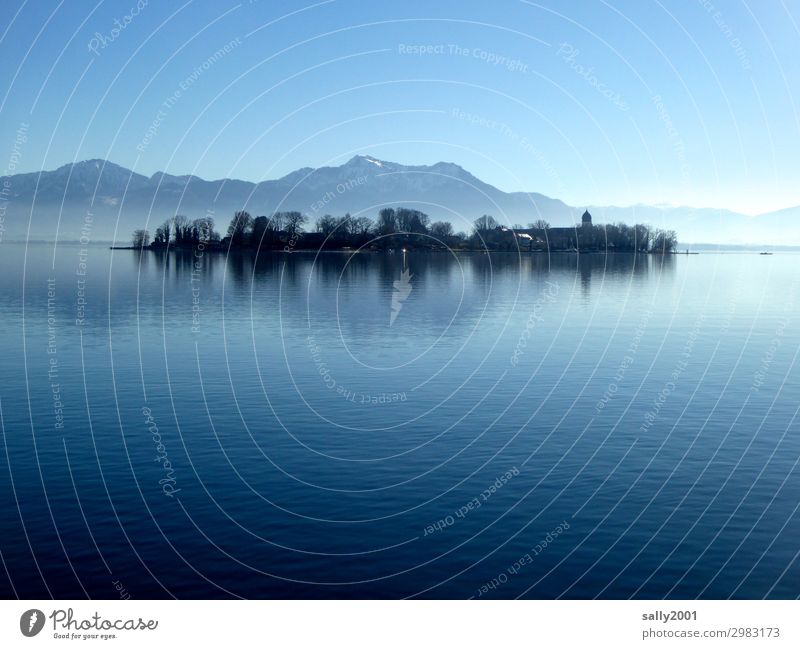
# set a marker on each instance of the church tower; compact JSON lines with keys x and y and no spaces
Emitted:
{"x":586,"y":219}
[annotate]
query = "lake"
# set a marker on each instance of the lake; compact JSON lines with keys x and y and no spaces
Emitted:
{"x":398,"y":425}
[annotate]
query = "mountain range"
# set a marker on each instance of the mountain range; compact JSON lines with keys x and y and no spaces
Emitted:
{"x":50,"y":204}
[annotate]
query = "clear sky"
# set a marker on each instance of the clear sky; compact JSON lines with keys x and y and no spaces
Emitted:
{"x":620,"y":102}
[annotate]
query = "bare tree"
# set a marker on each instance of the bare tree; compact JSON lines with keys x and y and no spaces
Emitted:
{"x":140,"y":239}
{"x":484,"y":225}
{"x":345,"y":227}
{"x":412,"y":221}
{"x":276,"y":222}
{"x":163,"y":233}
{"x":240,"y":227}
{"x":361,"y":227}
{"x":442,"y":230}
{"x":202,"y":230}
{"x":261,"y":232}
{"x":663,"y":241}
{"x":539,"y":224}
{"x":387,"y":221}
{"x":183,"y":229}
{"x":326,"y":225}
{"x":641,"y":237}
{"x":293,"y":222}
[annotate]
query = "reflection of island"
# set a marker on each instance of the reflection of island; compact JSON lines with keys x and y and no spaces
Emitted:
{"x":454,"y":299}
{"x":430,"y":269}
{"x":400,"y":229}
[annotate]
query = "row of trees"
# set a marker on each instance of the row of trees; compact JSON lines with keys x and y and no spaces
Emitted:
{"x":243,"y":230}
{"x":264,"y":231}
{"x":396,"y":227}
{"x":393,"y":227}
{"x":540,"y":236}
{"x":178,"y":231}
{"x":663,"y":241}
{"x":185,"y":232}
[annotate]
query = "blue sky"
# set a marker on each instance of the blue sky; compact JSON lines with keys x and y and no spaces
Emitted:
{"x":691,"y":102}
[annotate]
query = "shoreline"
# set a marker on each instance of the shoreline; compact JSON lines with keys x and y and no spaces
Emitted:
{"x":427,"y":250}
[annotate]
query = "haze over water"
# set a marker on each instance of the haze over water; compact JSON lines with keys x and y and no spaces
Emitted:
{"x":430,"y":425}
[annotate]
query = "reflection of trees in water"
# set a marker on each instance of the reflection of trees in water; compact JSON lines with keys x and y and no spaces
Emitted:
{"x":182,"y":265}
{"x":244,"y":266}
{"x":330,"y":268}
{"x":239,"y":265}
{"x":141,"y":261}
{"x":620,"y":266}
{"x":448,"y":291}
{"x":333,"y":268}
{"x":537,"y":265}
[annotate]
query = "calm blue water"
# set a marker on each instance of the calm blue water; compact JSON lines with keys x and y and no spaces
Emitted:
{"x":579,"y":427}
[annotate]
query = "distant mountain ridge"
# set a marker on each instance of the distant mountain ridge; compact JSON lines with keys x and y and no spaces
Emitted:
{"x":121,"y":200}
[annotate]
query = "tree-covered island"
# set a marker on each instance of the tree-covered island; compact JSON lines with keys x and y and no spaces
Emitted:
{"x":401,"y":228}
